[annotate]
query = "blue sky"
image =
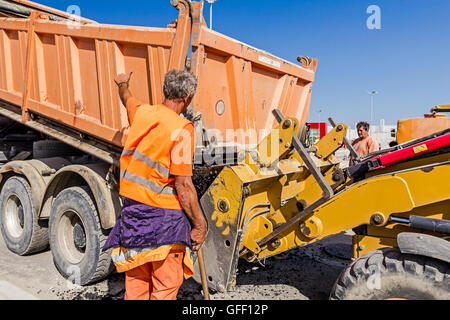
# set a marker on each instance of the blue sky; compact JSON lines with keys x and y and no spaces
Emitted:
{"x":407,"y":60}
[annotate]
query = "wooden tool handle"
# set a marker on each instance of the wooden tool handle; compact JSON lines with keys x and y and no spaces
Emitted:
{"x":201,"y":264}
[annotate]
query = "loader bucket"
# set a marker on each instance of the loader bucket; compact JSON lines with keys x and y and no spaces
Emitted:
{"x":253,"y":208}
{"x":221,"y":247}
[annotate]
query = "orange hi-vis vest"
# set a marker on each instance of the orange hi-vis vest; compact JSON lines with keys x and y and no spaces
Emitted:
{"x":146,"y":159}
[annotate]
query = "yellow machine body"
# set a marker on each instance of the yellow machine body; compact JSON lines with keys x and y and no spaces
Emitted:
{"x":259,"y":207}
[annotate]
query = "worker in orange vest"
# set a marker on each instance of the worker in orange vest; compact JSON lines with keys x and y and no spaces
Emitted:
{"x":161,"y":221}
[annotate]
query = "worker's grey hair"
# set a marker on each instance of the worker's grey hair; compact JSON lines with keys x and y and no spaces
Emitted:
{"x":179,"y":84}
{"x":363,"y":124}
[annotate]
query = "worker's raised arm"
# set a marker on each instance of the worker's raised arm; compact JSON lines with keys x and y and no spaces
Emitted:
{"x":123,"y":82}
{"x":131,"y":103}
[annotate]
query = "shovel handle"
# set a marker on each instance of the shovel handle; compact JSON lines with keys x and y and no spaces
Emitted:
{"x":201,"y":264}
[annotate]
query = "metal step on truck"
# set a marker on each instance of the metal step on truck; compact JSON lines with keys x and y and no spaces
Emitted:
{"x":262,"y":188}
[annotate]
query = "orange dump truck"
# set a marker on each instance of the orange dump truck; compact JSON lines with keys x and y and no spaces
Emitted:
{"x":63,"y":126}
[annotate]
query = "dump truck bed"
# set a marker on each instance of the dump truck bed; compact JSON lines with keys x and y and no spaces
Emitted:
{"x":65,"y":73}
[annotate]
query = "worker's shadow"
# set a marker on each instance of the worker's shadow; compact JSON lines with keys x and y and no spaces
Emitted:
{"x":190,"y":290}
{"x":116,"y":286}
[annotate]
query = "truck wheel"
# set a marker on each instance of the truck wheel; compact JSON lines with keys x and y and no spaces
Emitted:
{"x":77,"y":239}
{"x":22,"y":231}
{"x":388,"y":274}
{"x":53,"y":148}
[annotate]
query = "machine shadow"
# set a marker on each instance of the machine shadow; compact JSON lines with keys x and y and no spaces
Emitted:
{"x":299,"y":274}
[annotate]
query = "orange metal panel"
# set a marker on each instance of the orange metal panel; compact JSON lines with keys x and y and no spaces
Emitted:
{"x":180,"y":43}
{"x":158,"y":58}
{"x":134,"y":35}
{"x":30,"y":54}
{"x":14,"y":24}
{"x":81,"y":122}
{"x":5,"y":53}
{"x":410,"y":129}
{"x":11,"y":96}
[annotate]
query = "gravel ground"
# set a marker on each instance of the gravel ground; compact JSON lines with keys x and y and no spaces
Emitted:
{"x":306,"y":273}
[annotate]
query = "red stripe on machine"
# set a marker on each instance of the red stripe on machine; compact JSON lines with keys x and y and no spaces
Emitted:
{"x":391,"y":158}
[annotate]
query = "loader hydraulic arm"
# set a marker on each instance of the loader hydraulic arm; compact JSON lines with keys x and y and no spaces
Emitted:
{"x":326,"y":189}
{"x":441,"y":108}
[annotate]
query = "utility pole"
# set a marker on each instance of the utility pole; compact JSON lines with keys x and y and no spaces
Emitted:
{"x":372,"y":94}
{"x":211,"y":2}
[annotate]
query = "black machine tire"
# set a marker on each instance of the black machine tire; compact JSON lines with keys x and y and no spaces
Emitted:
{"x":53,"y":148}
{"x":85,"y":262}
{"x":22,"y":231}
{"x":388,"y":274}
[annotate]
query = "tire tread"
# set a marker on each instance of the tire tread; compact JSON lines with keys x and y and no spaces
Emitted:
{"x":390,"y":261}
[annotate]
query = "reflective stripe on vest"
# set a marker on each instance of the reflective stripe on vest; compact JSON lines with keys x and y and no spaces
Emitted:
{"x":130,"y":253}
{"x":147,"y":160}
{"x":148,"y":184}
{"x":123,"y":254}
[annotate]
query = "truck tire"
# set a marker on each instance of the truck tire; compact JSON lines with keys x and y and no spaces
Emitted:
{"x":388,"y":274}
{"x":22,"y":231}
{"x":77,"y":239}
{"x":53,"y":148}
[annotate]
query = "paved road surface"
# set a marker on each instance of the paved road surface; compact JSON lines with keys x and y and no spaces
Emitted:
{"x":306,"y":273}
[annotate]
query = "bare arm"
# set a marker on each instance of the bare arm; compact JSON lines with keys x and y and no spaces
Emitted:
{"x":124,"y":93}
{"x":122,"y":81}
{"x":189,"y":201}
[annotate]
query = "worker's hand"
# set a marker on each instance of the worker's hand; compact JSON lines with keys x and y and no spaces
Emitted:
{"x":123,"y":78}
{"x":198,"y":235}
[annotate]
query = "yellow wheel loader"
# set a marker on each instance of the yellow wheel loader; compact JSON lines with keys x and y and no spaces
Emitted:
{"x":283,"y":195}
